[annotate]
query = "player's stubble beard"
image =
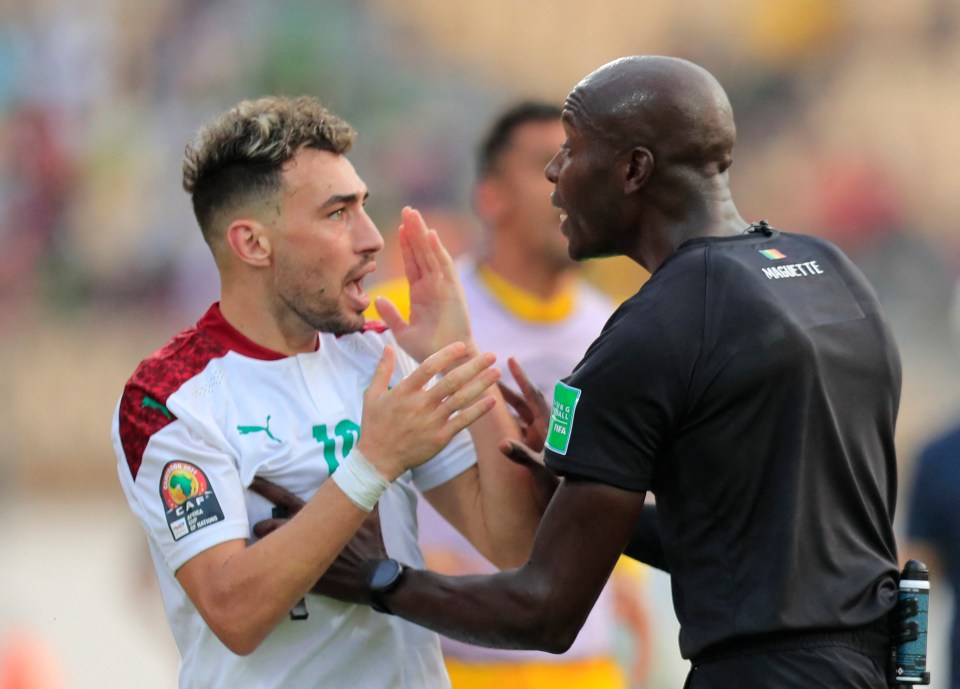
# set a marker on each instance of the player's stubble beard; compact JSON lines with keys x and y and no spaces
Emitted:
{"x":318,"y":308}
{"x":330,"y":319}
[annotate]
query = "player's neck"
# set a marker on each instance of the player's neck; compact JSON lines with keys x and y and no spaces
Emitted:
{"x":261,"y":322}
{"x":524,"y":304}
{"x":537,"y":278}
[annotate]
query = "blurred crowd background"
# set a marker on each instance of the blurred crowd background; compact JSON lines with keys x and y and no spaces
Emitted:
{"x":847,"y":113}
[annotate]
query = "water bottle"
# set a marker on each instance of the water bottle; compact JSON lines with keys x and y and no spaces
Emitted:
{"x":914,"y":603}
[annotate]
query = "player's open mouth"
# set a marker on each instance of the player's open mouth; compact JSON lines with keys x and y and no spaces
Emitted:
{"x":356,"y":296}
{"x":354,"y":288}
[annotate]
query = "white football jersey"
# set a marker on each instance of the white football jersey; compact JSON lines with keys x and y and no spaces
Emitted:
{"x":211,"y":410}
{"x":547,"y":351}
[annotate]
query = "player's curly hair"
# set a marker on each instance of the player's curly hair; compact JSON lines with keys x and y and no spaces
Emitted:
{"x":238,"y":156}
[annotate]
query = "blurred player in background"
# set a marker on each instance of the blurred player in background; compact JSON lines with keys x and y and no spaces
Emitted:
{"x":933,"y":527}
{"x":528,"y":301}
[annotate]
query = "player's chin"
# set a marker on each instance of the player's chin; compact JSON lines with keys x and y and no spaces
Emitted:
{"x":348,"y":322}
{"x":355,"y":323}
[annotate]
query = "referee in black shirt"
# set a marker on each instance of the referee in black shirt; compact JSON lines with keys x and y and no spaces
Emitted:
{"x":752,"y":385}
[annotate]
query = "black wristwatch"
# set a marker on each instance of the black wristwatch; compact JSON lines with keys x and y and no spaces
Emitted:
{"x":381,"y":580}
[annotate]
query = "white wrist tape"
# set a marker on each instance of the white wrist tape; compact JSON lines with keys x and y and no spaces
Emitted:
{"x":360,"y":480}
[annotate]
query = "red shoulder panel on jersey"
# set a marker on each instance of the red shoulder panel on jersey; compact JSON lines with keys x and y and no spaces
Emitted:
{"x":143,"y":407}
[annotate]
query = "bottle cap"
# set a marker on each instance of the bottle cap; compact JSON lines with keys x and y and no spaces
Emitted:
{"x":914,"y":569}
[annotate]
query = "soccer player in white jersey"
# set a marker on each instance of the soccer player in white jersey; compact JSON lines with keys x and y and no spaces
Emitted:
{"x":283,"y":380}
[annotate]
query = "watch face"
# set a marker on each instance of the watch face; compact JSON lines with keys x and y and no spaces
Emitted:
{"x":385,"y":574}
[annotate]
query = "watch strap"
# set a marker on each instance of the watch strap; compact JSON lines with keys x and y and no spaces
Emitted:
{"x":376,"y":602}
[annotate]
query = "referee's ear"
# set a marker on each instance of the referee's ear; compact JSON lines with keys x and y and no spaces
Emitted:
{"x":639,"y":169}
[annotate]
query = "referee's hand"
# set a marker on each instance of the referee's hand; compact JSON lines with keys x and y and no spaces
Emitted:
{"x":530,"y":407}
{"x":533,"y":415}
{"x":545,"y":482}
{"x":281,"y":497}
{"x":344,"y":579}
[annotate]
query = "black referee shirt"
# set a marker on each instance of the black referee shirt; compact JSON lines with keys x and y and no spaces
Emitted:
{"x":752,"y":385}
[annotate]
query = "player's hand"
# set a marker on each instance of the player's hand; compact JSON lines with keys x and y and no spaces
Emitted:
{"x":438,"y":309}
{"x":406,"y":425}
{"x":531,"y":409}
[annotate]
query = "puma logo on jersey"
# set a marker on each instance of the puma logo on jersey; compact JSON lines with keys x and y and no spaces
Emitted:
{"x":246,"y":430}
{"x":150,"y":403}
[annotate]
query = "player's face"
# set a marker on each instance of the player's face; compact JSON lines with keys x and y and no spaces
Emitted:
{"x":528,"y":216}
{"x":585,"y":192}
{"x":323,"y":242}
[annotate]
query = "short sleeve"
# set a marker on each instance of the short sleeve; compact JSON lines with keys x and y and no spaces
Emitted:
{"x":611,"y":416}
{"x":187,"y":494}
{"x":458,"y":456}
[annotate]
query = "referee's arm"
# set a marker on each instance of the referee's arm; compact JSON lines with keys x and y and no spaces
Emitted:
{"x":542,"y":604}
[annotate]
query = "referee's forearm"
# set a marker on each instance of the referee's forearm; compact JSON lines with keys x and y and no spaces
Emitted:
{"x":504,"y":610}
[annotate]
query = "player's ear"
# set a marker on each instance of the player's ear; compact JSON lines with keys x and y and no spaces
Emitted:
{"x":248,"y":241}
{"x":639,"y":168}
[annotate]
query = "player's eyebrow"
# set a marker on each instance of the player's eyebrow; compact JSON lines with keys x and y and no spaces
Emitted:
{"x":345,"y":199}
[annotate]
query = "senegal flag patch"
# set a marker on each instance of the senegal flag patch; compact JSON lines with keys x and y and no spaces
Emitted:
{"x":565,"y":400}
